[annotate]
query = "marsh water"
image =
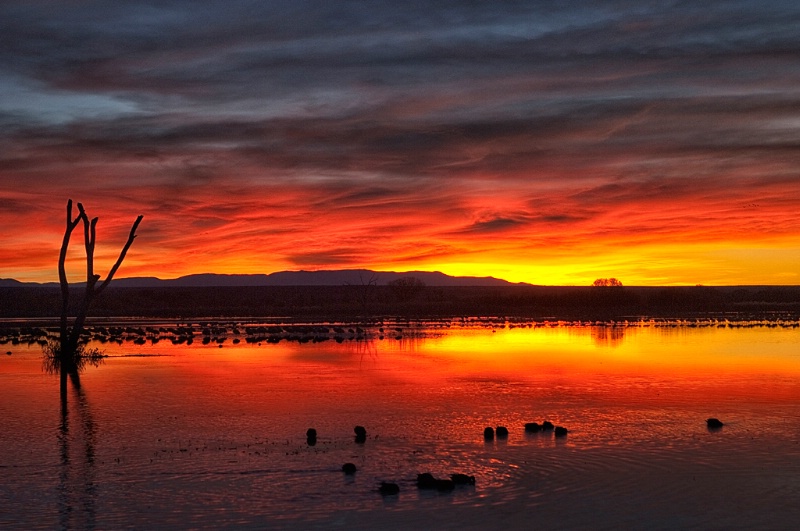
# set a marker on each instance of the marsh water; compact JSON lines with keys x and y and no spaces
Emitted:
{"x":168,"y":435}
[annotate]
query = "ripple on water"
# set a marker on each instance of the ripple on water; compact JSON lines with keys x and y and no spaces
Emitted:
{"x":572,"y":481}
{"x":683,"y":485}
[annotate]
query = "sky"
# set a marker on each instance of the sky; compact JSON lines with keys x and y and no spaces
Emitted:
{"x":548,"y":142}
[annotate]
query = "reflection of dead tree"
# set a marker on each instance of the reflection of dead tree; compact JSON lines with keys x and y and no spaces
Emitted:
{"x":365,"y":347}
{"x":76,"y":490}
{"x":610,"y":336}
{"x":68,"y":346}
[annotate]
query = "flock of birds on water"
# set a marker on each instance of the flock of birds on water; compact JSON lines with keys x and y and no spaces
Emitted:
{"x":220,"y":333}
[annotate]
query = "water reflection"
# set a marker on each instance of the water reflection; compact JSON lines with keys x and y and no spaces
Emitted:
{"x":205,"y":436}
{"x":77,"y":492}
{"x":410,"y":343}
{"x":366,"y":350}
{"x":608,"y":336}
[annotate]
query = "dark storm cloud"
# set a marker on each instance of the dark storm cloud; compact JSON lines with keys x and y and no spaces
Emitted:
{"x":223,"y":52}
{"x":376,"y":61}
{"x":586,"y":133}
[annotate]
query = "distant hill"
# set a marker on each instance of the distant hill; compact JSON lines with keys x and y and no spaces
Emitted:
{"x":345,"y":277}
{"x":11,"y":283}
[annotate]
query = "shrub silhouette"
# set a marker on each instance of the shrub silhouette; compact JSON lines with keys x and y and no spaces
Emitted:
{"x":406,"y":288}
{"x":607,"y":282}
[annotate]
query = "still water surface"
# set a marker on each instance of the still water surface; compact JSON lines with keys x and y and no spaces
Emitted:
{"x":177,"y":436}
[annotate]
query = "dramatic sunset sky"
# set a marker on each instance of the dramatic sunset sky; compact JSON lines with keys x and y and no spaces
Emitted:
{"x":549,"y":142}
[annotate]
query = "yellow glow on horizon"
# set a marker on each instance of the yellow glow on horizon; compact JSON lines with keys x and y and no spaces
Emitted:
{"x":757,"y":260}
{"x":649,"y":265}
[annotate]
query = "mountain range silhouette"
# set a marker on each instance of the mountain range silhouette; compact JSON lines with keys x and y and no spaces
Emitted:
{"x":342,"y":277}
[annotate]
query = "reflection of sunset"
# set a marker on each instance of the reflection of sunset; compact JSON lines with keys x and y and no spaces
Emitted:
{"x":232,"y":419}
{"x":466,"y":378}
{"x":709,"y":356}
{"x":711,"y":353}
{"x":522,"y":350}
{"x":608,"y":336}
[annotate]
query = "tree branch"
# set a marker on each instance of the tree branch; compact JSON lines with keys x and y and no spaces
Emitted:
{"x":122,"y":254}
{"x":91,"y":278}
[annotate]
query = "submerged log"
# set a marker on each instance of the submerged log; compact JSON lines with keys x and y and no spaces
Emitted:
{"x":462,"y":479}
{"x":388,"y":489}
{"x":427,"y":481}
{"x":361,"y":434}
{"x":533,"y":427}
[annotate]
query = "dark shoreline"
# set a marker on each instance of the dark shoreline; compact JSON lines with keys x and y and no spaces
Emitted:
{"x":354,"y":303}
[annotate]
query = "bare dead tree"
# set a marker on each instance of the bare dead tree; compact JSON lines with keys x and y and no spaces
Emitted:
{"x":364,"y":291}
{"x":407,"y":288}
{"x":69,"y":338}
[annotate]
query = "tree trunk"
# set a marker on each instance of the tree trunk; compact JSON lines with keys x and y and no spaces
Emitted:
{"x":62,"y":276}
